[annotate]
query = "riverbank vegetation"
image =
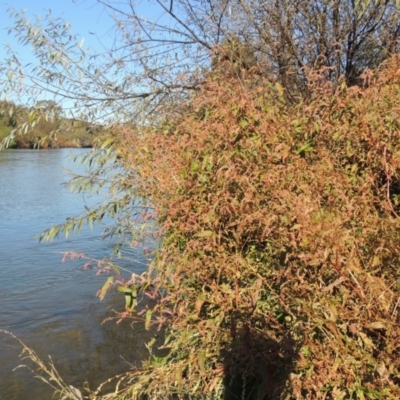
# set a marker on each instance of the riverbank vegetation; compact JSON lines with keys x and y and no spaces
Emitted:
{"x":280,"y":225}
{"x":269,"y":173}
{"x":43,"y":127}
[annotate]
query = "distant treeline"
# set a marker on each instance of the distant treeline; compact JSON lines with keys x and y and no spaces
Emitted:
{"x":51,"y":129}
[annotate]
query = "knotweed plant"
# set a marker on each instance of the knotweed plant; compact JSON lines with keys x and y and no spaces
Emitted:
{"x":279,"y":264}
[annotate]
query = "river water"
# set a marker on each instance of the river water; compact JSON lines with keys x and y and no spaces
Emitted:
{"x":50,"y":305}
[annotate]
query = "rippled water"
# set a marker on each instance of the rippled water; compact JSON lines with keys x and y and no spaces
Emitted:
{"x":53,"y":306}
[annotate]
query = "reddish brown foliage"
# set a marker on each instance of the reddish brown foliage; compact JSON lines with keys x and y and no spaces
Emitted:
{"x":281,"y":229}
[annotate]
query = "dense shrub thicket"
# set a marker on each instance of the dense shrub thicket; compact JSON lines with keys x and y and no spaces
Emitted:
{"x":280,"y":258}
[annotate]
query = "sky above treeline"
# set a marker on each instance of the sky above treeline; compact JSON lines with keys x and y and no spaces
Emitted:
{"x":88,"y":19}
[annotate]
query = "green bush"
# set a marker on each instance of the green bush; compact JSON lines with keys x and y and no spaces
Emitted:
{"x":279,"y":264}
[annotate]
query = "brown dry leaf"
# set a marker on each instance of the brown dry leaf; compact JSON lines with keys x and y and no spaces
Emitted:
{"x":367,"y":341}
{"x":213,"y":384}
{"x":333,"y":328}
{"x":337,"y":282}
{"x":199,"y":303}
{"x":353,"y":328}
{"x":382,"y":371}
{"x":377,"y":325}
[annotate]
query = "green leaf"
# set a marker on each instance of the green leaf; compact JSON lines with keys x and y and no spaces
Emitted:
{"x":279,"y":88}
{"x":148,"y":319}
{"x":106,"y":143}
{"x":244,"y":123}
{"x":202,"y":361}
{"x":124,"y":289}
{"x":204,"y":234}
{"x":105,"y":287}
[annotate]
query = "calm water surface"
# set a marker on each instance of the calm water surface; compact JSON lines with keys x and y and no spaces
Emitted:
{"x":53,"y":306}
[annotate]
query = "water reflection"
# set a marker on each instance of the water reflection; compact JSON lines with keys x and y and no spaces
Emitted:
{"x":52,"y":306}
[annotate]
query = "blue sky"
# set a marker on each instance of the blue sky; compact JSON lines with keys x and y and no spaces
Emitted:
{"x":85,"y":16}
{"x":88,"y":19}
